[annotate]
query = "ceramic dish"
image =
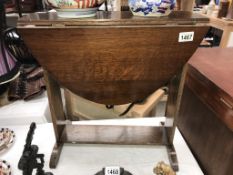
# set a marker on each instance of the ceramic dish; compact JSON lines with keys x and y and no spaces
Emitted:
{"x":155,"y":8}
{"x":73,"y":4}
{"x":7,"y":138}
{"x":5,"y":168}
{"x":77,"y":13}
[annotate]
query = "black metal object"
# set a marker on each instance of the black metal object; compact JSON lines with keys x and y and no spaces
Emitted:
{"x":12,"y":40}
{"x":17,"y":47}
{"x":29,"y":159}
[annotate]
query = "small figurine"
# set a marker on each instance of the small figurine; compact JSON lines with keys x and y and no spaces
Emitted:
{"x":163,"y":169}
{"x":29,"y":158}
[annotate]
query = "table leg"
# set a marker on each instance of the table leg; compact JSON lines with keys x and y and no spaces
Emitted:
{"x":172,"y":109}
{"x":173,"y":104}
{"x":170,"y":150}
{"x":57,"y":113}
{"x":55,"y":155}
{"x":172,"y":157}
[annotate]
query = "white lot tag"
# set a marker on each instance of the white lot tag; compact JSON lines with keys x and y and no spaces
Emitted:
{"x":112,"y":170}
{"x":186,"y":36}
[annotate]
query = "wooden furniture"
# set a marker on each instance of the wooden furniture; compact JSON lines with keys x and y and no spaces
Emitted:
{"x":141,"y":163}
{"x":114,"y":58}
{"x":146,"y":108}
{"x":82,"y":109}
{"x":226,"y":26}
{"x":206,"y":112}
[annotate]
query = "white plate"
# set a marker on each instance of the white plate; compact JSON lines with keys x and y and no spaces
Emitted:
{"x":77,"y":13}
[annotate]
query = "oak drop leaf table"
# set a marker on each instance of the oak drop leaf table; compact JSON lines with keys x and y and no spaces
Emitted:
{"x":113,"y":58}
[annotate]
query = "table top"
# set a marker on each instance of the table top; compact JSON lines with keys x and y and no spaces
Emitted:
{"x":43,"y":19}
{"x":114,"y":58}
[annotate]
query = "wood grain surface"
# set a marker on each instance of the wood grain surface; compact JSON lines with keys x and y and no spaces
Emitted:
{"x":214,"y":98}
{"x":55,"y":103}
{"x":212,"y":69}
{"x":209,"y":139}
{"x":106,"y":134}
{"x":113,"y":64}
{"x":216,"y":64}
{"x":206,"y":112}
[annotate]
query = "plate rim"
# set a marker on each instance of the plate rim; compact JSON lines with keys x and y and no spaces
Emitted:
{"x":78,"y":10}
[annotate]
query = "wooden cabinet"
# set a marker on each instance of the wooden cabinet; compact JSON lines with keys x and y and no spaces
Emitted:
{"x":206,"y":112}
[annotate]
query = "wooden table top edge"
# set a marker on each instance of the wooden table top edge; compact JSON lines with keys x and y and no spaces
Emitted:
{"x":119,"y":19}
